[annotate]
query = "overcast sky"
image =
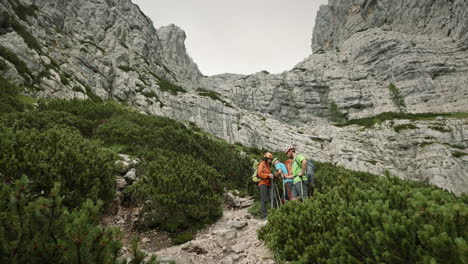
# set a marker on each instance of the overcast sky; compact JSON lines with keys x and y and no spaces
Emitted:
{"x":240,"y":36}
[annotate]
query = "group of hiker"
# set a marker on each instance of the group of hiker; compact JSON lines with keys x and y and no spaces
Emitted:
{"x":294,"y":172}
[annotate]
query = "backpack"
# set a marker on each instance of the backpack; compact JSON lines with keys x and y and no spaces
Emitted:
{"x":254,"y":176}
{"x":310,"y":172}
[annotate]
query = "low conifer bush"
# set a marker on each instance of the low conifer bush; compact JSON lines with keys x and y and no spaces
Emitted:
{"x":178,"y":192}
{"x":42,"y":230}
{"x":361,"y":218}
{"x":82,"y":166}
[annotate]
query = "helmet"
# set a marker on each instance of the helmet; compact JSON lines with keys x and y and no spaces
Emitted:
{"x":268,"y":155}
{"x":287,"y":148}
{"x":274,"y":160}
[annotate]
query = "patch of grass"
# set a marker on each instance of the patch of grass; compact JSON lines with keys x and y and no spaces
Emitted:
{"x":166,"y":86}
{"x":380,"y":118}
{"x":457,"y":146}
{"x":404,"y":127}
{"x":213,"y":95}
{"x":183,"y":237}
{"x":440,"y":129}
{"x":27,"y":37}
{"x":3,"y":65}
{"x":26,"y":99}
{"x":126,"y":68}
{"x":87,"y":42}
{"x":78,"y":89}
{"x":152,"y":94}
{"x":459,"y":154}
{"x":255,"y":209}
{"x":20,"y":65}
{"x":90,"y":93}
{"x":23,"y":11}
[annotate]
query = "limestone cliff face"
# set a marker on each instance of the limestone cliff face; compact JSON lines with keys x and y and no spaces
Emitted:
{"x":340,"y":19}
{"x":109,"y":48}
{"x":106,"y":47}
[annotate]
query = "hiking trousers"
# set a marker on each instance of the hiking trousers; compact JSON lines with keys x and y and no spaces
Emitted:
{"x":265,"y":196}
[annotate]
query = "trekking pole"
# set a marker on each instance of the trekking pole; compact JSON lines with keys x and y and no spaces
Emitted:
{"x":278,"y":199}
{"x":284,"y":191}
{"x":271,"y":193}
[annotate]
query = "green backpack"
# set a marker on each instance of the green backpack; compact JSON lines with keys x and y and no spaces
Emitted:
{"x":255,"y":177}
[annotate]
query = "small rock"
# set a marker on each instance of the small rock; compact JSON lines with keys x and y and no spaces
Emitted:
{"x":226,"y":233}
{"x":120,"y":183}
{"x":239,"y":248}
{"x":130,"y":177}
{"x":165,"y":260}
{"x":145,"y":240}
{"x":227,"y":260}
{"x":248,"y":216}
{"x":246,"y":203}
{"x":237,"y":224}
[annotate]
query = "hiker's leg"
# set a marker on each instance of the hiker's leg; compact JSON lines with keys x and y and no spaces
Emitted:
{"x":296,"y":190}
{"x":264,"y":194}
{"x":289,"y":190}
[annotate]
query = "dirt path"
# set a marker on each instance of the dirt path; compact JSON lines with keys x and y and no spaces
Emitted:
{"x":233,"y":239}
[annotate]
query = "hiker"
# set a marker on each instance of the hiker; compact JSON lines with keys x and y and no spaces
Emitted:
{"x":299,"y":167}
{"x":264,"y":185}
{"x":283,"y":172}
{"x":289,"y":179}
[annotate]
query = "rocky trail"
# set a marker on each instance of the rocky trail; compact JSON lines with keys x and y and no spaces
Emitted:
{"x":233,"y":239}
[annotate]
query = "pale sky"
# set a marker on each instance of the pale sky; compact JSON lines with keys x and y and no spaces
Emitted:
{"x":240,"y":36}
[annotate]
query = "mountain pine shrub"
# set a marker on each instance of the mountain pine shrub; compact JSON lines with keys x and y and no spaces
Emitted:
{"x":335,"y":113}
{"x":178,"y":192}
{"x":9,"y":101}
{"x":357,"y":217}
{"x":42,"y":230}
{"x":59,"y":154}
{"x":43,"y":120}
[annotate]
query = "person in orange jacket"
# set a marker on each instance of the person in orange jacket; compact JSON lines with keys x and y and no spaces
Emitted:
{"x":264,"y":185}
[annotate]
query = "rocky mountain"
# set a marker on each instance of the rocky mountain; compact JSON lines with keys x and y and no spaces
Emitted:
{"x":110,"y":49}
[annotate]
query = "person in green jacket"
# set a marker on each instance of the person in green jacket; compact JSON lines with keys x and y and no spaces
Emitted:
{"x":299,"y":168}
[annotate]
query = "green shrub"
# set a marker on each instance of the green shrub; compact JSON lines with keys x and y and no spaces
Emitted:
{"x":166,"y":86}
{"x":361,"y":218}
{"x":43,"y":120}
{"x":9,"y":98}
{"x":404,"y":127}
{"x":335,"y":114}
{"x":459,"y":154}
{"x":83,"y":167}
{"x":380,"y":118}
{"x":183,"y":237}
{"x":397,"y":98}
{"x":88,"y":109}
{"x":213,"y":95}
{"x":23,"y":11}
{"x":178,"y":192}
{"x":42,"y":230}
{"x":440,"y":129}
